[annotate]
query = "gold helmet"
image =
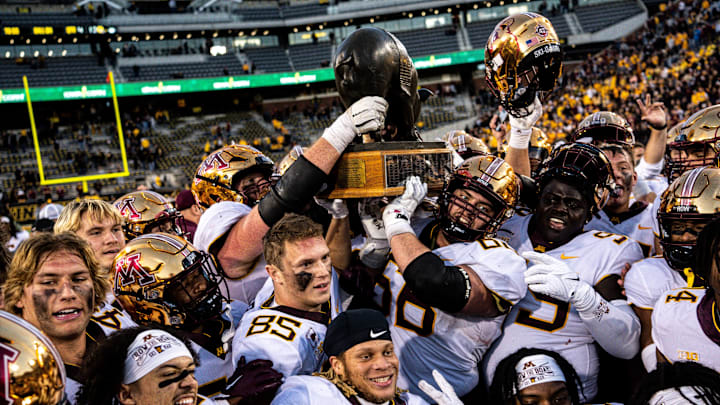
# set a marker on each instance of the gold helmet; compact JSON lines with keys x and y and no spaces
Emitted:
{"x":605,"y":127}
{"x":585,"y":167}
{"x":495,"y":180}
{"x":465,"y":144}
{"x":32,"y":369}
{"x":145,"y":212}
{"x":523,"y":59}
{"x":218,"y":176}
{"x":701,"y":133}
{"x":287,"y":161}
{"x":161,"y":279}
{"x":539,"y":149}
{"x":691,"y":201}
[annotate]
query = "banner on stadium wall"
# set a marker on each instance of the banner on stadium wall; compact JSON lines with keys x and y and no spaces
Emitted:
{"x":213,"y":84}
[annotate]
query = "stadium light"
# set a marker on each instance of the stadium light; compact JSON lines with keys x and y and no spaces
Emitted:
{"x":27,"y":41}
{"x":188,"y":36}
{"x":12,"y":41}
{"x":64,"y":52}
{"x":74,"y":40}
{"x":410,"y":15}
{"x":161,"y":37}
{"x":36,"y":54}
{"x":7,"y":54}
{"x":50,"y":52}
{"x":22,"y":54}
{"x":218,"y":50}
{"x":44,"y":40}
{"x":175,"y":35}
{"x":372,"y":20}
{"x":422,"y":14}
{"x":59,"y":41}
{"x":437,"y":12}
{"x":266,"y":32}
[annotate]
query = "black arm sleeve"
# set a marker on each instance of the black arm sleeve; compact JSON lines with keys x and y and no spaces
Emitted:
{"x":443,"y":287}
{"x":295,"y":189}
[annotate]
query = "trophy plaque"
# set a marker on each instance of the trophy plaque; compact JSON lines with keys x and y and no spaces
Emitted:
{"x":380,"y":169}
{"x":373,"y":62}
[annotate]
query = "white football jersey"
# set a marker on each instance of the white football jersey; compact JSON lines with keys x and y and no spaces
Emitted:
{"x":685,"y":327}
{"x":648,"y":279}
{"x":547,"y":323}
{"x":216,"y":363}
{"x":214,"y":223}
{"x":639,"y":227}
{"x":426,"y":338}
{"x":313,"y":390}
{"x":290,"y":338}
{"x":111,"y":317}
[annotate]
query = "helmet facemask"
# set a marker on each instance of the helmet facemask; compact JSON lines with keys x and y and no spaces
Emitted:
{"x":457,"y":231}
{"x":680,"y":255}
{"x":186,"y":293}
{"x":709,"y":155}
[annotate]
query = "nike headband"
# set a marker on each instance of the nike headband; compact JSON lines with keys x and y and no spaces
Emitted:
{"x":537,"y":369}
{"x":149,"y":350}
{"x":353,"y":327}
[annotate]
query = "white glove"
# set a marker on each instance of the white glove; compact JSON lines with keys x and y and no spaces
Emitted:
{"x":521,"y":128}
{"x":364,"y":116}
{"x":445,"y":396}
{"x":397,"y":214}
{"x":337,"y":207}
{"x":456,"y":158}
{"x":374,"y":252}
{"x":554,"y":278}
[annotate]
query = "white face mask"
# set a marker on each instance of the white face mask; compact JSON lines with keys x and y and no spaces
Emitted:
{"x":678,"y":396}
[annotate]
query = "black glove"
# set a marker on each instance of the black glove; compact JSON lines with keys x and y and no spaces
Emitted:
{"x":255,"y":382}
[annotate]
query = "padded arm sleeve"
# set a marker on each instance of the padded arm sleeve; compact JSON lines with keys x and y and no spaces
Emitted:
{"x":444,"y":287}
{"x":295,"y":189}
{"x":614,"y":326}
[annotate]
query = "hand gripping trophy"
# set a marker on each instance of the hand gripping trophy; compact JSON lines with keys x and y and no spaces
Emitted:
{"x":373,"y":62}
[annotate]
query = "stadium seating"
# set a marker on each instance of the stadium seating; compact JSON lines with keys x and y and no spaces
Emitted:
{"x":214,"y":66}
{"x":257,"y":13}
{"x":273,"y":59}
{"x":310,"y":56}
{"x":57,"y":71}
{"x":598,"y":16}
{"x":427,"y":42}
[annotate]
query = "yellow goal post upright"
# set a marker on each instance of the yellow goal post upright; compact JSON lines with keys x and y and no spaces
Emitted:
{"x":84,"y":179}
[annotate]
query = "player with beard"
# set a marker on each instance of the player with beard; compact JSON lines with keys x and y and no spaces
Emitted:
{"x":574,"y":299}
{"x":293,"y":310}
{"x":232,"y":230}
{"x":55,"y":283}
{"x":162,"y":280}
{"x":686,"y":207}
{"x":100,"y":224}
{"x":446,"y":292}
{"x":363,"y":366}
{"x":685,"y":320}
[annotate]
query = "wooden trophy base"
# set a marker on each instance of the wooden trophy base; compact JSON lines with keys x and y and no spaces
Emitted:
{"x":380,"y":169}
